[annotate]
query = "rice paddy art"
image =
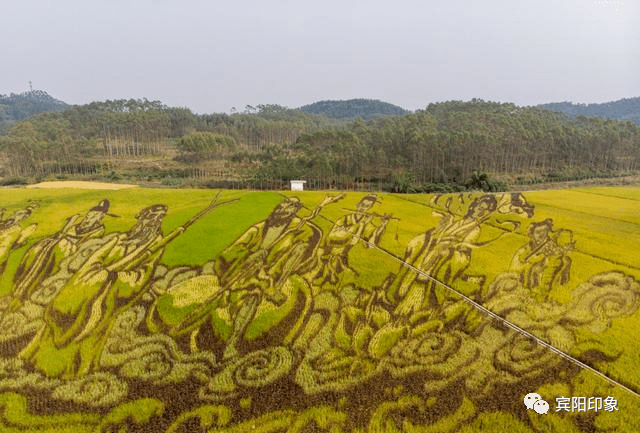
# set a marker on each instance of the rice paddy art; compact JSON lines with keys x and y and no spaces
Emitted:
{"x":329,"y":312}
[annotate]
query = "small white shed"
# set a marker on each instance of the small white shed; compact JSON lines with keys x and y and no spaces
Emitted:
{"x":297,"y":185}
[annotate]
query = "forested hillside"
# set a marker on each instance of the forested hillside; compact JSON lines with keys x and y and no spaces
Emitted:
{"x":114,"y":135}
{"x":624,"y":109}
{"x":447,"y":146}
{"x":17,"y":107}
{"x":448,"y":142}
{"x":365,"y":108}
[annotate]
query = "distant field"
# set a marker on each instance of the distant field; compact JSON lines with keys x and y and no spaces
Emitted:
{"x":160,"y":310}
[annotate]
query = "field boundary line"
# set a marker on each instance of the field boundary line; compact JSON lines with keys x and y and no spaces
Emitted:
{"x":493,"y":315}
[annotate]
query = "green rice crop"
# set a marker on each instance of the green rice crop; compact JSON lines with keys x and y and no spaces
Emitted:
{"x":348,"y":360}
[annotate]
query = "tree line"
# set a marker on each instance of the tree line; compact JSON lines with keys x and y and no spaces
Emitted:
{"x":449,"y":142}
{"x":444,"y":144}
{"x":109,"y":131}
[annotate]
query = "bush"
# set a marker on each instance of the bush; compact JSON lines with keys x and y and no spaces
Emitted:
{"x":113,"y":176}
{"x":171,"y":181}
{"x":483,"y":182}
{"x":13,"y":181}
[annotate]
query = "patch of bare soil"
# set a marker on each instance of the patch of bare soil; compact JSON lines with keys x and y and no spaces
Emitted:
{"x":82,"y":185}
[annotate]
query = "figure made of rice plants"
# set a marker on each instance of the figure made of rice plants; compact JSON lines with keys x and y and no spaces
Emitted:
{"x":443,"y":254}
{"x":114,"y":277}
{"x":544,"y":262}
{"x":13,"y":235}
{"x":262,"y":270}
{"x":357,"y":226}
{"x":43,"y":258}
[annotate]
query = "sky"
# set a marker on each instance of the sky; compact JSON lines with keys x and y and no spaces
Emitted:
{"x":214,"y":56}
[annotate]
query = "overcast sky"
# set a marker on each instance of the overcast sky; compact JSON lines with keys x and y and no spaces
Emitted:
{"x":212,"y":55}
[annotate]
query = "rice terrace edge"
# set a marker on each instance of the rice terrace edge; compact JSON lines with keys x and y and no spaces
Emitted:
{"x":147,"y":310}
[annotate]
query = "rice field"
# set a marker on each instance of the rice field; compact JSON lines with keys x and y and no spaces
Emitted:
{"x":149,"y":310}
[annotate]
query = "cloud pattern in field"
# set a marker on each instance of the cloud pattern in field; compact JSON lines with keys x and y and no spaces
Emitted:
{"x":282,"y":323}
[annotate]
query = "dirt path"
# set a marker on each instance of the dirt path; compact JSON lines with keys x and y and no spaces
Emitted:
{"x":82,"y":185}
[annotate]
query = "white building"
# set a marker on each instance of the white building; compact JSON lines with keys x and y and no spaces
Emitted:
{"x":298,"y":185}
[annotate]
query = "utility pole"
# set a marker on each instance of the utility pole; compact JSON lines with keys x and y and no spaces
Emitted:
{"x":30,"y":86}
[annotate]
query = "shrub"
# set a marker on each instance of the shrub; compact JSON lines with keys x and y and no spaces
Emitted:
{"x":16,"y":180}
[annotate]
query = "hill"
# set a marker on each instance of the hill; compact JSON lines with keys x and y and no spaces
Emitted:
{"x":446,"y":143}
{"x":352,"y":108}
{"x":20,"y":106}
{"x":624,"y":109}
